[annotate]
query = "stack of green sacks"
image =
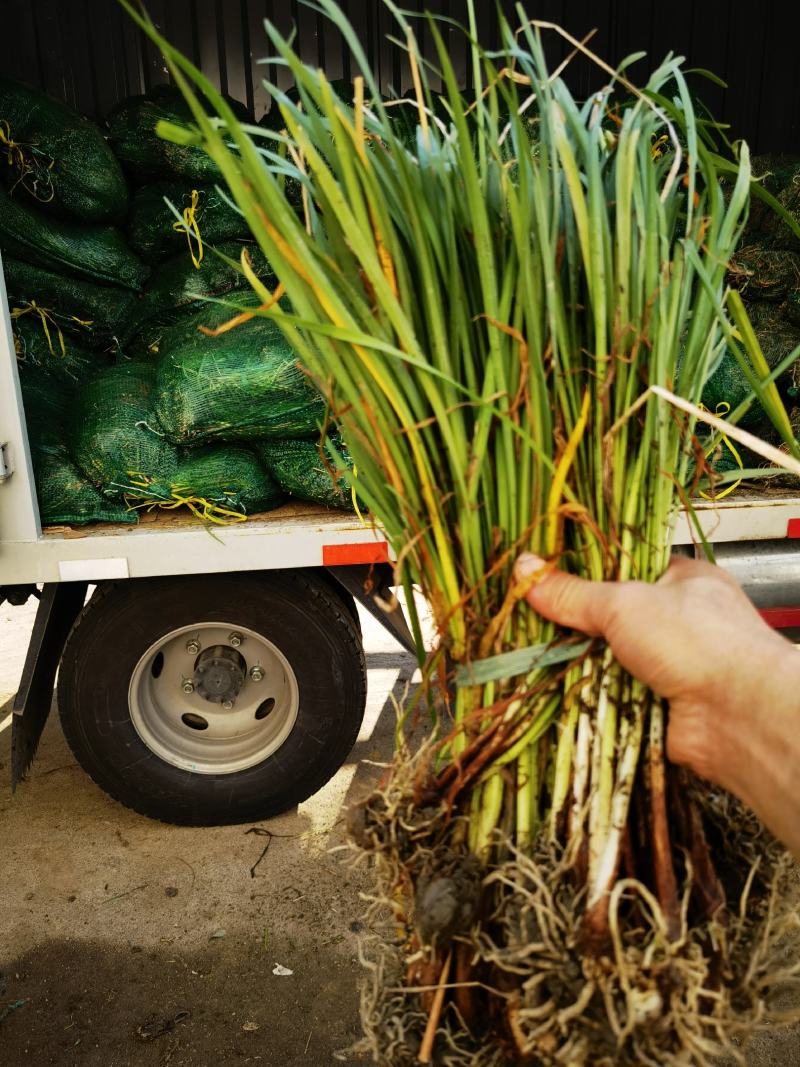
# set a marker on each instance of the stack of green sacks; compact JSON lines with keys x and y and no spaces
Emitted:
{"x":63,"y":195}
{"x":113,"y":246}
{"x":181,"y":220}
{"x":70,"y":276}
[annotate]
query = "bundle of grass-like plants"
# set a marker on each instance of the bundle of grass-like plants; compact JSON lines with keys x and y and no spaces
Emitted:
{"x":512,"y":317}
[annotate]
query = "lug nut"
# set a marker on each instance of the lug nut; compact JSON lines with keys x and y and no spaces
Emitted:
{"x":193,"y":647}
{"x":235,"y":639}
{"x":188,"y":687}
{"x":227,"y":704}
{"x":257,"y":674}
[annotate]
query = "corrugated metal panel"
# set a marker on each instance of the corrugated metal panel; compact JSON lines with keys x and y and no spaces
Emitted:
{"x":88,"y":53}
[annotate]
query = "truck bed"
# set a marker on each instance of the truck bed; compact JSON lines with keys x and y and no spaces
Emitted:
{"x":303,"y":535}
{"x":752,"y":513}
{"x":296,"y":535}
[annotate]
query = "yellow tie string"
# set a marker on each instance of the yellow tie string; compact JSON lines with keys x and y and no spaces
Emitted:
{"x":354,"y":496}
{"x":27,"y":163}
{"x":14,"y":153}
{"x":48,"y":319}
{"x":723,"y":408}
{"x":657,"y":147}
{"x":180,"y":497}
{"x":191,"y":228}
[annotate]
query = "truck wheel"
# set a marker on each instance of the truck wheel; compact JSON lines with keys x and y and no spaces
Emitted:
{"x":205,"y":701}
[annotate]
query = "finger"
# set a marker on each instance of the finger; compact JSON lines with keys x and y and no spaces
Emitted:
{"x":566,"y":599}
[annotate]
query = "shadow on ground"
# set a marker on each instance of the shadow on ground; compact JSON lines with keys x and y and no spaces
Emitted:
{"x":109,"y":1005}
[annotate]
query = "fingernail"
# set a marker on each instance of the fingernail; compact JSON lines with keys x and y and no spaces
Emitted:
{"x":527,"y":565}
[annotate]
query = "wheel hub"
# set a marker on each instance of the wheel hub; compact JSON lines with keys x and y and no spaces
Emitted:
{"x":197,"y":704}
{"x":219,"y":674}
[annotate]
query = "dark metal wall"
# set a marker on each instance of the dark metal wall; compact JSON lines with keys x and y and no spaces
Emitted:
{"x":88,"y":53}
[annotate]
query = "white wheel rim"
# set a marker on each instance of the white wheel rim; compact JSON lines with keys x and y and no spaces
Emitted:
{"x":168,"y":719}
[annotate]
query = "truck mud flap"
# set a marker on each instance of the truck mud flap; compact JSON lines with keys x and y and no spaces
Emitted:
{"x":59,"y":606}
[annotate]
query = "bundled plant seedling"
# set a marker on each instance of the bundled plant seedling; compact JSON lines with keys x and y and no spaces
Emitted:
{"x":512,"y":315}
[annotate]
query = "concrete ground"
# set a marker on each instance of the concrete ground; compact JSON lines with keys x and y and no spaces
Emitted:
{"x":115,"y":926}
{"x":128,"y":942}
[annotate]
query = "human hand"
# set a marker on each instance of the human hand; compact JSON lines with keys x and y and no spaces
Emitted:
{"x":732,"y":683}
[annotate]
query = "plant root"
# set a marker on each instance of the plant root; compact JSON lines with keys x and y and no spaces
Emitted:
{"x":522,"y":988}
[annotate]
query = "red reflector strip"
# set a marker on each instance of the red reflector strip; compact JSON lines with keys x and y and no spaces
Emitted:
{"x":345,"y":555}
{"x":781,"y":618}
{"x":793,"y":528}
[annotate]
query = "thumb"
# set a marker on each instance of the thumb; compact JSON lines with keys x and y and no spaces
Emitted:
{"x":563,"y":598}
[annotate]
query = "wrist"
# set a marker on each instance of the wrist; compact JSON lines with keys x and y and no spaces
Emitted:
{"x":755,"y":747}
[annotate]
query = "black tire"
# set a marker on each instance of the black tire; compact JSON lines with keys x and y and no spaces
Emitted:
{"x":298,"y":612}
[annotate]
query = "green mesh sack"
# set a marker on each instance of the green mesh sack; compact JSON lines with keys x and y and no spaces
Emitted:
{"x":132,"y":132}
{"x":114,"y":436}
{"x":94,"y":252}
{"x":219,"y":483}
{"x":47,"y":401}
{"x":40,"y":341}
{"x":177,"y":286}
{"x":65,"y":496}
{"x":773,"y":227}
{"x":145,"y":343}
{"x":243,"y":385}
{"x":151,"y":223}
{"x":791,"y":308}
{"x":57,"y":159}
{"x":302,"y":472}
{"x":728,"y":386}
{"x":96,"y":314}
{"x":775,"y":173}
{"x":764,"y":274}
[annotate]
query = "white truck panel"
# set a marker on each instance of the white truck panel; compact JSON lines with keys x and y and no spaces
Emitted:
{"x":297,"y":535}
{"x":19,"y":512}
{"x":742,"y":518}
